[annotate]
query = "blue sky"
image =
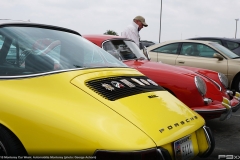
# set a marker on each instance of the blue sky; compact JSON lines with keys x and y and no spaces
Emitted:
{"x":181,"y":19}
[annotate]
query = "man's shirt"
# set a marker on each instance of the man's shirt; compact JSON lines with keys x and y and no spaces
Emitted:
{"x":131,"y":32}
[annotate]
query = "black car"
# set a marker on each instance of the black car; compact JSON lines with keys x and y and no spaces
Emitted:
{"x":145,"y":43}
{"x":230,"y":43}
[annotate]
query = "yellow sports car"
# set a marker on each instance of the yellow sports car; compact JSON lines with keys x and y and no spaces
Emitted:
{"x":62,"y":95}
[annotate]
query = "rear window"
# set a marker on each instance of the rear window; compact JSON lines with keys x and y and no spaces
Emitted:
{"x":170,"y":49}
{"x":232,"y":45}
{"x":34,"y":50}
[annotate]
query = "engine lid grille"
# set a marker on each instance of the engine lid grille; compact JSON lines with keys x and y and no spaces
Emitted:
{"x":113,"y":88}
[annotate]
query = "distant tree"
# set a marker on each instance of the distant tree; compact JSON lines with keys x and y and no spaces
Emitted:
{"x":111,"y":32}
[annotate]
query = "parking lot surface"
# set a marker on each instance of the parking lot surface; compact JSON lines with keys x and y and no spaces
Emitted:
{"x":227,"y":137}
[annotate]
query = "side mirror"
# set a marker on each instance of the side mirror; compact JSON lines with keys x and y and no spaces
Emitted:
{"x":218,"y":56}
{"x":145,"y":52}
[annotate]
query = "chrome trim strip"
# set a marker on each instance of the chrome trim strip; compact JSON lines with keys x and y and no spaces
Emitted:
{"x":3,"y":148}
{"x":208,"y":139}
{"x":51,"y":72}
{"x":202,"y":110}
{"x":220,"y":88}
{"x":160,"y":152}
{"x":35,"y":75}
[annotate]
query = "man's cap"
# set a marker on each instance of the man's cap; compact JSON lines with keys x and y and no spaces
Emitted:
{"x":140,"y":18}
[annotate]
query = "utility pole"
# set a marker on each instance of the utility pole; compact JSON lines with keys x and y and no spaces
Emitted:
{"x":236,"y":28}
{"x":160,"y":22}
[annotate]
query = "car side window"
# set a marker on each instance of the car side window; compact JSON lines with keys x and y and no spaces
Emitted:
{"x":169,"y":49}
{"x":197,"y":49}
{"x":232,"y":45}
{"x":12,"y":56}
{"x":189,"y":49}
{"x":206,"y":51}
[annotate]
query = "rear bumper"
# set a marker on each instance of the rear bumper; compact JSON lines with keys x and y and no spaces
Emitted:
{"x":218,"y":110}
{"x":214,"y":111}
{"x":224,"y":110}
{"x":209,"y":110}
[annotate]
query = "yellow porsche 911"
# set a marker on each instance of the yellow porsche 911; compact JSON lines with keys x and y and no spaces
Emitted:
{"x":62,"y":95}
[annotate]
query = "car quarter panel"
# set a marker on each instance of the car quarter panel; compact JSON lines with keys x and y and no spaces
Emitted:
{"x":61,"y":118}
{"x":152,"y":114}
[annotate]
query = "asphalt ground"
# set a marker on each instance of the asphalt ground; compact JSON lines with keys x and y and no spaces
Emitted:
{"x":227,"y":137}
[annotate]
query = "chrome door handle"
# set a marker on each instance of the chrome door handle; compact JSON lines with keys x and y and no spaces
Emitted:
{"x":181,"y":62}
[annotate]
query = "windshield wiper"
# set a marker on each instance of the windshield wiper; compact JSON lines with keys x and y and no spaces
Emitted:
{"x":140,"y":58}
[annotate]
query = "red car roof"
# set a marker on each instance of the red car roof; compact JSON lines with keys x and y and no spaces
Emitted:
{"x":99,"y":39}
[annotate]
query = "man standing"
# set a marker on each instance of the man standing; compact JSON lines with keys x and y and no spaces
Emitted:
{"x":132,"y":31}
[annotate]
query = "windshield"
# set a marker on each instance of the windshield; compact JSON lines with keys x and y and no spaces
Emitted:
{"x":31,"y":50}
{"x":123,"y":49}
{"x":226,"y":51}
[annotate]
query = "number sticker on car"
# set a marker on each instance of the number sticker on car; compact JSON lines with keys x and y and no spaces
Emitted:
{"x":184,"y":148}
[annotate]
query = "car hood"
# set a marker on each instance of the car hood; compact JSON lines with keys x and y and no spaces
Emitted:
{"x":162,"y":72}
{"x":157,"y":113}
{"x":158,"y":66}
{"x":234,"y":62}
{"x":205,"y":72}
{"x":237,"y":60}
